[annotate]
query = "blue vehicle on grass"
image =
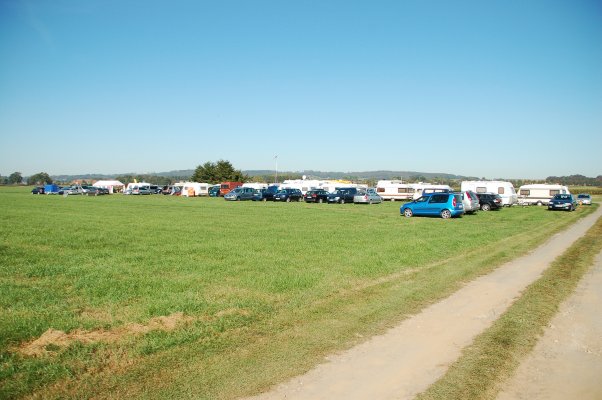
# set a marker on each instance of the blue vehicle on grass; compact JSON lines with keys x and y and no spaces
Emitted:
{"x":444,"y":205}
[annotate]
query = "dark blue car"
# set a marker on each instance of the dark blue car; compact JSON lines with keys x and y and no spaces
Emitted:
{"x":563,"y":202}
{"x":444,"y":205}
{"x":266,"y":194}
{"x":288,"y":195}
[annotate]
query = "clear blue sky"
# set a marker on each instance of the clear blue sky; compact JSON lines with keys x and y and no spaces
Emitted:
{"x":484,"y":88}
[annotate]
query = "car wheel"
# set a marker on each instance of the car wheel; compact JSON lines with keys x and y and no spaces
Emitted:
{"x":342,"y":201}
{"x":485,"y":207}
{"x":408,"y":213}
{"x":446,"y":214}
{"x":264,"y":199}
{"x":288,"y":199}
{"x":320,"y":201}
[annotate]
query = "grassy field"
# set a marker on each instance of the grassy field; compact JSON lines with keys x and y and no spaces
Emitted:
{"x":163,"y":297}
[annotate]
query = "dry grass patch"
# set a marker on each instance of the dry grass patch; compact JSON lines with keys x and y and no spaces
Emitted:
{"x":53,"y":339}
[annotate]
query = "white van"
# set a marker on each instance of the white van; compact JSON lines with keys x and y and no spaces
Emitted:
{"x":503,"y":188}
{"x":539,"y":194}
{"x":194,"y":189}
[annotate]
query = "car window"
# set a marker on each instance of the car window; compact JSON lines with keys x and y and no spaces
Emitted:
{"x":438,"y":198}
{"x":422,"y":199}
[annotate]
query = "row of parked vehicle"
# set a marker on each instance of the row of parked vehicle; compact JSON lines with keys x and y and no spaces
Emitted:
{"x":454,"y":204}
{"x":85,"y":190}
{"x":275,"y":193}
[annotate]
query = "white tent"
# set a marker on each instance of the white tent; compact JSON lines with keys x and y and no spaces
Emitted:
{"x":113,"y":186}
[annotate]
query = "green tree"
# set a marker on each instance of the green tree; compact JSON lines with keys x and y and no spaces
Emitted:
{"x":39,"y":179}
{"x":15,"y":178}
{"x":222,"y":171}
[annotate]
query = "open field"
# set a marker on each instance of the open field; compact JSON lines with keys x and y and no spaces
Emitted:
{"x":165,"y":297}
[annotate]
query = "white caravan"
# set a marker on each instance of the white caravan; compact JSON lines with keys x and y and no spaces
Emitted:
{"x":255,"y":185}
{"x":503,"y":188}
{"x":539,"y":194}
{"x":134,"y":186}
{"x":397,"y":190}
{"x":308,"y":184}
{"x":194,"y":189}
{"x":429,"y":188}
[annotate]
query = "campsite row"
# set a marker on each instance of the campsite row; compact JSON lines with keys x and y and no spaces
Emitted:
{"x":533,"y":194}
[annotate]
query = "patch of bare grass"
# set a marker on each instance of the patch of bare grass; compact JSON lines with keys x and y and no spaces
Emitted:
{"x":53,"y":340}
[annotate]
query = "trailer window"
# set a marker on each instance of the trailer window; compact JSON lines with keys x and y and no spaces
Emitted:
{"x":481,"y":189}
{"x":525,"y":192}
{"x":500,"y":190}
{"x":402,"y":190}
{"x":380,"y":189}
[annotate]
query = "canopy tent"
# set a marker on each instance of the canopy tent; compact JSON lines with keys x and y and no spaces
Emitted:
{"x":113,"y":186}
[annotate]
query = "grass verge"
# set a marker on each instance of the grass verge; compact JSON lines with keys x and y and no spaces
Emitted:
{"x":496,"y":353}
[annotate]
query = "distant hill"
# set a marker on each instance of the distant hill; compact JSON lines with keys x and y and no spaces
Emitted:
{"x":309,"y":173}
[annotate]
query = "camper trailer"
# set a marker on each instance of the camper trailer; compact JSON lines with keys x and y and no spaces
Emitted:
{"x":134,"y":187}
{"x":329,"y":185}
{"x":255,"y":185}
{"x":194,"y":189}
{"x":226,"y":187}
{"x":503,"y":188}
{"x":396,"y":190}
{"x":539,"y":194}
{"x":420,"y":188}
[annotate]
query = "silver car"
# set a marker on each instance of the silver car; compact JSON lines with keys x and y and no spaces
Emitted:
{"x":368,"y":196}
{"x":584,"y":198}
{"x":470,"y":201}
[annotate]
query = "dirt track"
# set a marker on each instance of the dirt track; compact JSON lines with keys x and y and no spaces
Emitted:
{"x":567,"y":362}
{"x":410,"y":357}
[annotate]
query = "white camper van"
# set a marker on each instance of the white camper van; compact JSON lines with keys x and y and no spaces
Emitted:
{"x":503,"y":188}
{"x":539,"y":194}
{"x":194,"y":189}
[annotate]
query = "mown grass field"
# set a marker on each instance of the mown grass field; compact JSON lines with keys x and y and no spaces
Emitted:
{"x":257,"y":292}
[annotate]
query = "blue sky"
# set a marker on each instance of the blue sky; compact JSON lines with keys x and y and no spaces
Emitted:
{"x":498,"y":89}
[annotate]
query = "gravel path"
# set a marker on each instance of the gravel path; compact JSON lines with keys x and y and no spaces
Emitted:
{"x":410,"y":357}
{"x":567,"y":362}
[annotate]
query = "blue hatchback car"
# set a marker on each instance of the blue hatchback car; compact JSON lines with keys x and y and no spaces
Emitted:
{"x":444,"y":205}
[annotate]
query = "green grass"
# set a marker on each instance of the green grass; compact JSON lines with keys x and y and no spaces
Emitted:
{"x":497,"y":352}
{"x":269,"y":288}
